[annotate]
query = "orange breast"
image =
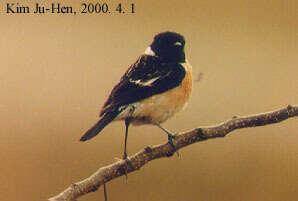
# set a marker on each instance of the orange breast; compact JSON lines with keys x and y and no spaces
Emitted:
{"x":161,"y":107}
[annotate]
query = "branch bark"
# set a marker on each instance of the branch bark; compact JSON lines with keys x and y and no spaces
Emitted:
{"x":135,"y":162}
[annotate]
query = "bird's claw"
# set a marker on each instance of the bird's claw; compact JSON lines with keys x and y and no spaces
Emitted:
{"x":170,"y":140}
{"x":124,"y":156}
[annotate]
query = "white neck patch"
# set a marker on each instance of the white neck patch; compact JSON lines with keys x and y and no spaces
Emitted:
{"x":149,"y":51}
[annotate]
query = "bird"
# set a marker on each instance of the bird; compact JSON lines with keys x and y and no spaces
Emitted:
{"x":152,"y":90}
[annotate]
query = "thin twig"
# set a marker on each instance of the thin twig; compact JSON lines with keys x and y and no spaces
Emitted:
{"x":123,"y":167}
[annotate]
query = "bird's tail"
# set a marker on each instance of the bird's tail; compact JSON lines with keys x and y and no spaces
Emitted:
{"x":105,"y":120}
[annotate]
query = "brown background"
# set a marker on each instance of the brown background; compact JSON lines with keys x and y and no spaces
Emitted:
{"x":57,"y":70}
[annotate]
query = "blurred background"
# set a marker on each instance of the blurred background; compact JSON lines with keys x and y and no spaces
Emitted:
{"x":56,"y":71}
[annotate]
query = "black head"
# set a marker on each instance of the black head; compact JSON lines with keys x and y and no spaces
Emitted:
{"x":169,"y":46}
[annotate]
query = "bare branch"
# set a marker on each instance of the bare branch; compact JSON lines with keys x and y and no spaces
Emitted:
{"x":135,"y":162}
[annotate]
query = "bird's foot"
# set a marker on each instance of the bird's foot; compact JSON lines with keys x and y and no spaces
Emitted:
{"x":129,"y":164}
{"x":124,"y":156}
{"x":170,"y":140}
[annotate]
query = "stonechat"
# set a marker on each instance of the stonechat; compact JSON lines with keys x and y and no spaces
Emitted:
{"x":152,"y":90}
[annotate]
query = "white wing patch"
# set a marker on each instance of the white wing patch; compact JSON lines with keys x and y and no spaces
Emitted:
{"x":146,"y":83}
{"x":149,"y":82}
{"x":149,"y":51}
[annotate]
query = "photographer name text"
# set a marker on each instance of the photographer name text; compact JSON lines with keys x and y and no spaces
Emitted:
{"x":59,"y":8}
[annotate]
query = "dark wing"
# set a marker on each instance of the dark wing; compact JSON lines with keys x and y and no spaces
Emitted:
{"x":147,"y":77}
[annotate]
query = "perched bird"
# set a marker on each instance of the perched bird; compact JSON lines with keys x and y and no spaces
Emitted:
{"x":152,"y":90}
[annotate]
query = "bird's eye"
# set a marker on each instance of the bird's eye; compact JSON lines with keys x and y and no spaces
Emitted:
{"x":178,"y":44}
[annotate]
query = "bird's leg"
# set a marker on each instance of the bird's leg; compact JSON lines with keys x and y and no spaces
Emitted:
{"x":127,"y":122}
{"x":170,"y":136}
